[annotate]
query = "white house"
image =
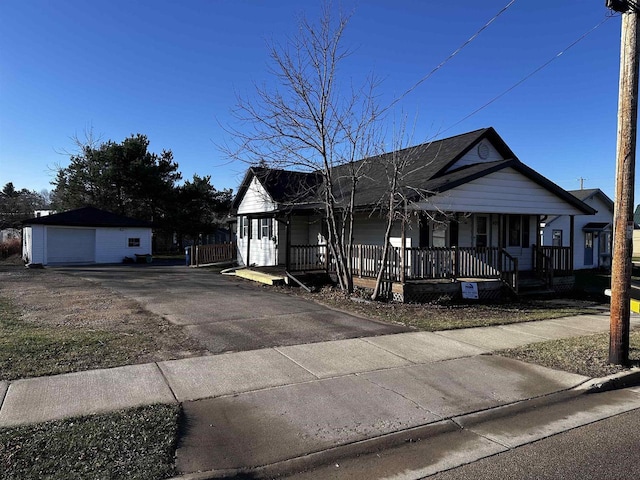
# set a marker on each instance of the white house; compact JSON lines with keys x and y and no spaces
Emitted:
{"x":84,"y":236}
{"x":592,"y":247}
{"x":475,"y":205}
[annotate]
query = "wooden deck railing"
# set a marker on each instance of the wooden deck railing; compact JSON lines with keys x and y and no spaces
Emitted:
{"x":552,"y":261}
{"x":419,"y":264}
{"x":207,"y":254}
{"x":308,"y":258}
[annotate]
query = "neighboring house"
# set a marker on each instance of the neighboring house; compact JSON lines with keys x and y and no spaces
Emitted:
{"x":476,"y":216}
{"x":83,"y":236}
{"x":43,"y":213}
{"x":592,"y":246}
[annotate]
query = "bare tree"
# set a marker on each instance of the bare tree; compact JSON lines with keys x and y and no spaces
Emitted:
{"x":312,"y":121}
{"x":401,"y":196}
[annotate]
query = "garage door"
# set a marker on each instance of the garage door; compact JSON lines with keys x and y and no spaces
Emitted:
{"x":71,"y":245}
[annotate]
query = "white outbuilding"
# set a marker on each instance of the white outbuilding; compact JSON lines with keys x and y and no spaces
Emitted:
{"x":84,"y":236}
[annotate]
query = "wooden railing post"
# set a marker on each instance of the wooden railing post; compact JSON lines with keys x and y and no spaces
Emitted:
{"x":456,"y":262}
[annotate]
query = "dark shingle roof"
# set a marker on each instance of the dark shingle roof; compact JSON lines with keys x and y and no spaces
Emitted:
{"x":428,"y":171}
{"x":87,"y":217}
{"x":587,"y":193}
{"x":285,"y":187}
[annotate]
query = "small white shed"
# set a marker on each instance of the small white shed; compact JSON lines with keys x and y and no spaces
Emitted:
{"x":84,"y":236}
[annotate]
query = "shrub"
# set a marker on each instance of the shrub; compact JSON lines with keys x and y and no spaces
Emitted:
{"x":10,"y":247}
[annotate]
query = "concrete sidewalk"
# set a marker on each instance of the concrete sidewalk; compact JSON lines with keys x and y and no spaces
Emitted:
{"x":267,"y":407}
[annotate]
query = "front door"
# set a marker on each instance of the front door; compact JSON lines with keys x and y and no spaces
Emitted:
{"x":267,"y":244}
{"x":482,"y":231}
{"x":588,"y":248}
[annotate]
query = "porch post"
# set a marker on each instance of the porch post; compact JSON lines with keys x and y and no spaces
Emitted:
{"x":249,"y":229}
{"x":571,"y":240}
{"x":287,"y":235}
{"x":403,"y":239}
{"x":538,"y":229}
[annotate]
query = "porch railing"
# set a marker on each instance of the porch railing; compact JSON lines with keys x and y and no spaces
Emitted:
{"x":419,"y":263}
{"x":308,"y":258}
{"x":552,"y":261}
{"x":207,"y":254}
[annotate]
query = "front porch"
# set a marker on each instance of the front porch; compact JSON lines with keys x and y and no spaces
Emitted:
{"x":427,"y":274}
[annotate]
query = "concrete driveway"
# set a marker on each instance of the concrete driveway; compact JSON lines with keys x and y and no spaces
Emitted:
{"x":228,"y":314}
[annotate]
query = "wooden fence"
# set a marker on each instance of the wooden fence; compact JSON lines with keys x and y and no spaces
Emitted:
{"x":201,"y":255}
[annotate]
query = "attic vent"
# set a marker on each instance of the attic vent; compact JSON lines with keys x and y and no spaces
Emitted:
{"x":483,"y":151}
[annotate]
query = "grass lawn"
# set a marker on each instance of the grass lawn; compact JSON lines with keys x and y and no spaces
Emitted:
{"x":434,"y":317}
{"x":587,"y":355}
{"x":132,"y":444}
{"x":31,"y":350}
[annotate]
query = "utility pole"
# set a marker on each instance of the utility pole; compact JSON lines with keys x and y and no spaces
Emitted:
{"x":625,"y":172}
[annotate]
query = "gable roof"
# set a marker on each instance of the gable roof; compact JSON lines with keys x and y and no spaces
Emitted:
{"x":588,"y":193}
{"x":283,"y":186}
{"x":87,"y":217}
{"x":431,"y":167}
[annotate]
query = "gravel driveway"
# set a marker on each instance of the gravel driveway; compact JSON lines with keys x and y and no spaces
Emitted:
{"x":228,"y":314}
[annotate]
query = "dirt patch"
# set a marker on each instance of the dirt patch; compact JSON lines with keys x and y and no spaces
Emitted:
{"x":54,"y":299}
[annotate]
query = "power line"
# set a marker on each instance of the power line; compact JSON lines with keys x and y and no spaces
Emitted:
{"x":472,"y":38}
{"x":520,"y":82}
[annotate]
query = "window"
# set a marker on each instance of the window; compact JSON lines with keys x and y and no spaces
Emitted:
{"x":518,"y":231}
{"x":265,"y":228}
{"x":605,"y":242}
{"x":556,"y":238}
{"x":439,"y":235}
{"x":243,"y":228}
{"x":134,"y":242}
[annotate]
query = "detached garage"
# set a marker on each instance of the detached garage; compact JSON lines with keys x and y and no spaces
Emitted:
{"x":83,"y":236}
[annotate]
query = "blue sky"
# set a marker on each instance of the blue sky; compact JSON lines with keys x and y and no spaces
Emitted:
{"x":170,"y":70}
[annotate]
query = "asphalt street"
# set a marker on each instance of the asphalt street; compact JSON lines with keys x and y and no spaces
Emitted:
{"x":603,"y":450}
{"x":228,"y":314}
{"x":543,"y":443}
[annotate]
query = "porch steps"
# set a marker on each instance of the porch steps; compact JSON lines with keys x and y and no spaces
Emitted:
{"x":532,"y":287}
{"x":260,"y":277}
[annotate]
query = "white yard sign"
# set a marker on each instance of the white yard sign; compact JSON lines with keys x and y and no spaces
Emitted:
{"x":469,"y":290}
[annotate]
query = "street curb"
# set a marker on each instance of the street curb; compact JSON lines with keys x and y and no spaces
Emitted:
{"x":615,"y":381}
{"x":456,"y":423}
{"x":482,"y":416}
{"x":330,"y":455}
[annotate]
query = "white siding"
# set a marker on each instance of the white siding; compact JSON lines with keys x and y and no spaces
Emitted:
{"x":263,"y":251}
{"x":35,"y":244}
{"x":504,"y":191}
{"x":562,"y":223}
{"x":112,"y":244}
{"x":256,"y":200}
{"x":472,"y":157}
{"x":27,"y":244}
{"x":370,"y":231}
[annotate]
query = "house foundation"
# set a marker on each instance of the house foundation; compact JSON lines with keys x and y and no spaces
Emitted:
{"x":427,"y":291}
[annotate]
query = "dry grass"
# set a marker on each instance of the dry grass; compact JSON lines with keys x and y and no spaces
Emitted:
{"x":586,"y":355}
{"x":53,"y":323}
{"x":434,"y":317}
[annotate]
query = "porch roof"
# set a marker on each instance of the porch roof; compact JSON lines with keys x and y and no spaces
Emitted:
{"x":596,"y":227}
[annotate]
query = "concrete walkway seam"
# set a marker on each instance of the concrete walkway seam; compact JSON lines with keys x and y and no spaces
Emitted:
{"x":166,"y":381}
{"x":4,"y":386}
{"x":277,"y":349}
